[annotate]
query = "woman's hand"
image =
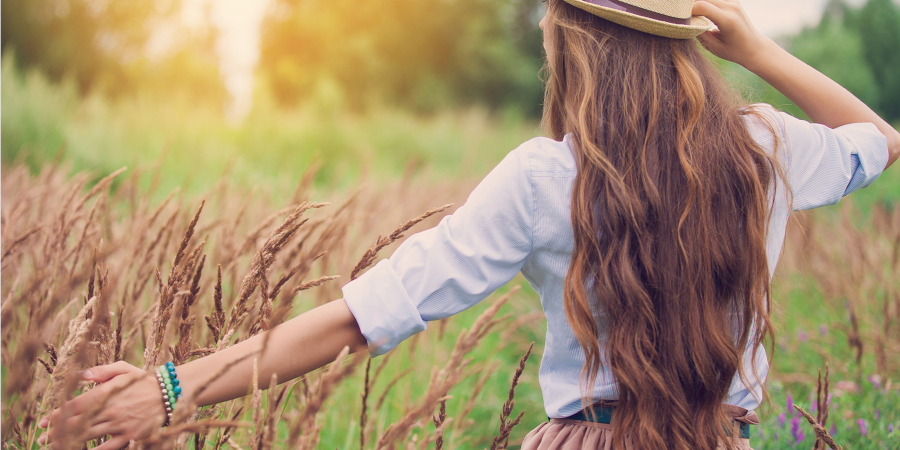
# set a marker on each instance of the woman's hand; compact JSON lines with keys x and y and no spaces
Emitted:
{"x":736,"y":39}
{"x":823,"y":100}
{"x":127,"y":405}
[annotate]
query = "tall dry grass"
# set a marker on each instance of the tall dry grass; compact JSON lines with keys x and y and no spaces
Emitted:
{"x":94,"y":276}
{"x":94,"y":273}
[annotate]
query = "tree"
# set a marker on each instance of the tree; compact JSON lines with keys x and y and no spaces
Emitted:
{"x":87,"y":40}
{"x":416,"y":53}
{"x":878,"y":25}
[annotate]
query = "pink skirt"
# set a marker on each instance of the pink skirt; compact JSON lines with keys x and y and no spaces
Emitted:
{"x":567,"y":434}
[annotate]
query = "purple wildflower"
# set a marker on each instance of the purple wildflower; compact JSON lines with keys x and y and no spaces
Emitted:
{"x":832,"y":430}
{"x":824,"y":330}
{"x":877,"y":414}
{"x":863,"y":429}
{"x":802,"y":336}
{"x":890,"y":428}
{"x":876,"y":381}
{"x":781,"y":419}
{"x":790,"y":402}
{"x":796,"y":432}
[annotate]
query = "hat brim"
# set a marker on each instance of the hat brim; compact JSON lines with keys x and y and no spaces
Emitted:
{"x":699,"y":24}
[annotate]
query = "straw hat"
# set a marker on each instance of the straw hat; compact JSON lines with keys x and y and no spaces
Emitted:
{"x":666,"y":18}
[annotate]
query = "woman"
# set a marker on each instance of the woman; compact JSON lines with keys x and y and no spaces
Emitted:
{"x":650,"y":224}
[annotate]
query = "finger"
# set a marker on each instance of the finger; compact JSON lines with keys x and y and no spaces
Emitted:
{"x":101,"y":374}
{"x":115,"y":443}
{"x":722,"y":4}
{"x":98,"y":430}
{"x":91,"y":399}
{"x":80,"y":404}
{"x":66,"y":428}
{"x":711,"y":11}
{"x":711,"y":41}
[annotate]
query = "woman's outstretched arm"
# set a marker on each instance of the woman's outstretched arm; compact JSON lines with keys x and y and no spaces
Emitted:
{"x":303,"y":344}
{"x":823,"y":100}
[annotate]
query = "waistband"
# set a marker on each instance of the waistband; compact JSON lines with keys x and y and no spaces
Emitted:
{"x":741,"y":417}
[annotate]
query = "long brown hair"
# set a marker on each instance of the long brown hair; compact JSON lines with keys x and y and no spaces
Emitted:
{"x":669,"y":280}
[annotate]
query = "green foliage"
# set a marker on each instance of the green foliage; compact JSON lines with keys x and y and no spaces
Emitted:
{"x":271,"y":147}
{"x":837,"y":51}
{"x":423,"y":55}
{"x":78,"y":38}
{"x":103,"y":46}
{"x":857,"y":48}
{"x":878,"y":24}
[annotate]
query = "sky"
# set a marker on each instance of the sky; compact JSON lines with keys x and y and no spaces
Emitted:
{"x":239,"y":21}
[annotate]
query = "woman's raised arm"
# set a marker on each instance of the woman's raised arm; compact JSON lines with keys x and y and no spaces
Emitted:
{"x":823,"y":100}
{"x":303,"y":344}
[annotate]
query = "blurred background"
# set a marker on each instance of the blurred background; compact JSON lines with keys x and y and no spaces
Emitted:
{"x":260,"y":90}
{"x":232,"y":99}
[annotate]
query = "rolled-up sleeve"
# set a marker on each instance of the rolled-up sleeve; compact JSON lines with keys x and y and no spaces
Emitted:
{"x":825,"y":164}
{"x":447,"y":269}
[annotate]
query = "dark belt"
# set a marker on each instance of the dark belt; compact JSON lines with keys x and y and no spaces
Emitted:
{"x":603,"y":414}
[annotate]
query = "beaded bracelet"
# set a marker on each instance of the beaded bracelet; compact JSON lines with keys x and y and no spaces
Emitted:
{"x":169,"y":386}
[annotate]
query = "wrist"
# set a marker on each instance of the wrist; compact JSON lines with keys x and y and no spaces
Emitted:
{"x":764,"y":55}
{"x":168,"y":383}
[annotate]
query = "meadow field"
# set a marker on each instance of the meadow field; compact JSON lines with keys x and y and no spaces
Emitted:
{"x":215,"y":232}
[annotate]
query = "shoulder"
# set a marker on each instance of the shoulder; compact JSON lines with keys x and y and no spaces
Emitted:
{"x":543,"y":156}
{"x":762,"y":118}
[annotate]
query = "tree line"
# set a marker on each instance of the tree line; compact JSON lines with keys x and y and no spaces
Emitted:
{"x":415,"y":54}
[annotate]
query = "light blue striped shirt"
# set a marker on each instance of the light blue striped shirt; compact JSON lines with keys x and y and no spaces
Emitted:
{"x":517,"y":220}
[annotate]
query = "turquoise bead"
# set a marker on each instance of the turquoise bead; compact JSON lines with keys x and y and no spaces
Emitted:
{"x":177,"y":389}
{"x":170,"y":365}
{"x":176,"y":382}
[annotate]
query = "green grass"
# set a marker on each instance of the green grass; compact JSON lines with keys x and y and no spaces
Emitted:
{"x":196,"y":145}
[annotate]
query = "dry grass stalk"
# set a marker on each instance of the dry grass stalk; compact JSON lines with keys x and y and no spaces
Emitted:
{"x":261,"y":262}
{"x":228,"y":430}
{"x":304,"y":432}
{"x":821,"y":432}
{"x":101,"y":185}
{"x":200,"y":435}
{"x":440,"y":423}
{"x":363,"y":412}
{"x":216,"y":320}
{"x":19,"y":240}
{"x":63,"y":378}
{"x":173,"y":431}
{"x":449,"y":376}
{"x":501,"y":441}
{"x":275,"y":401}
{"x":390,"y":385}
{"x":186,"y":325}
{"x":382,"y":242}
{"x":177,"y":274}
{"x":302,"y":268}
{"x":255,"y":404}
{"x":461,"y":420}
{"x":822,"y":405}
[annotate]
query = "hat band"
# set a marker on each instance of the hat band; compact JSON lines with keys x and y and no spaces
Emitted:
{"x":631,"y":9}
